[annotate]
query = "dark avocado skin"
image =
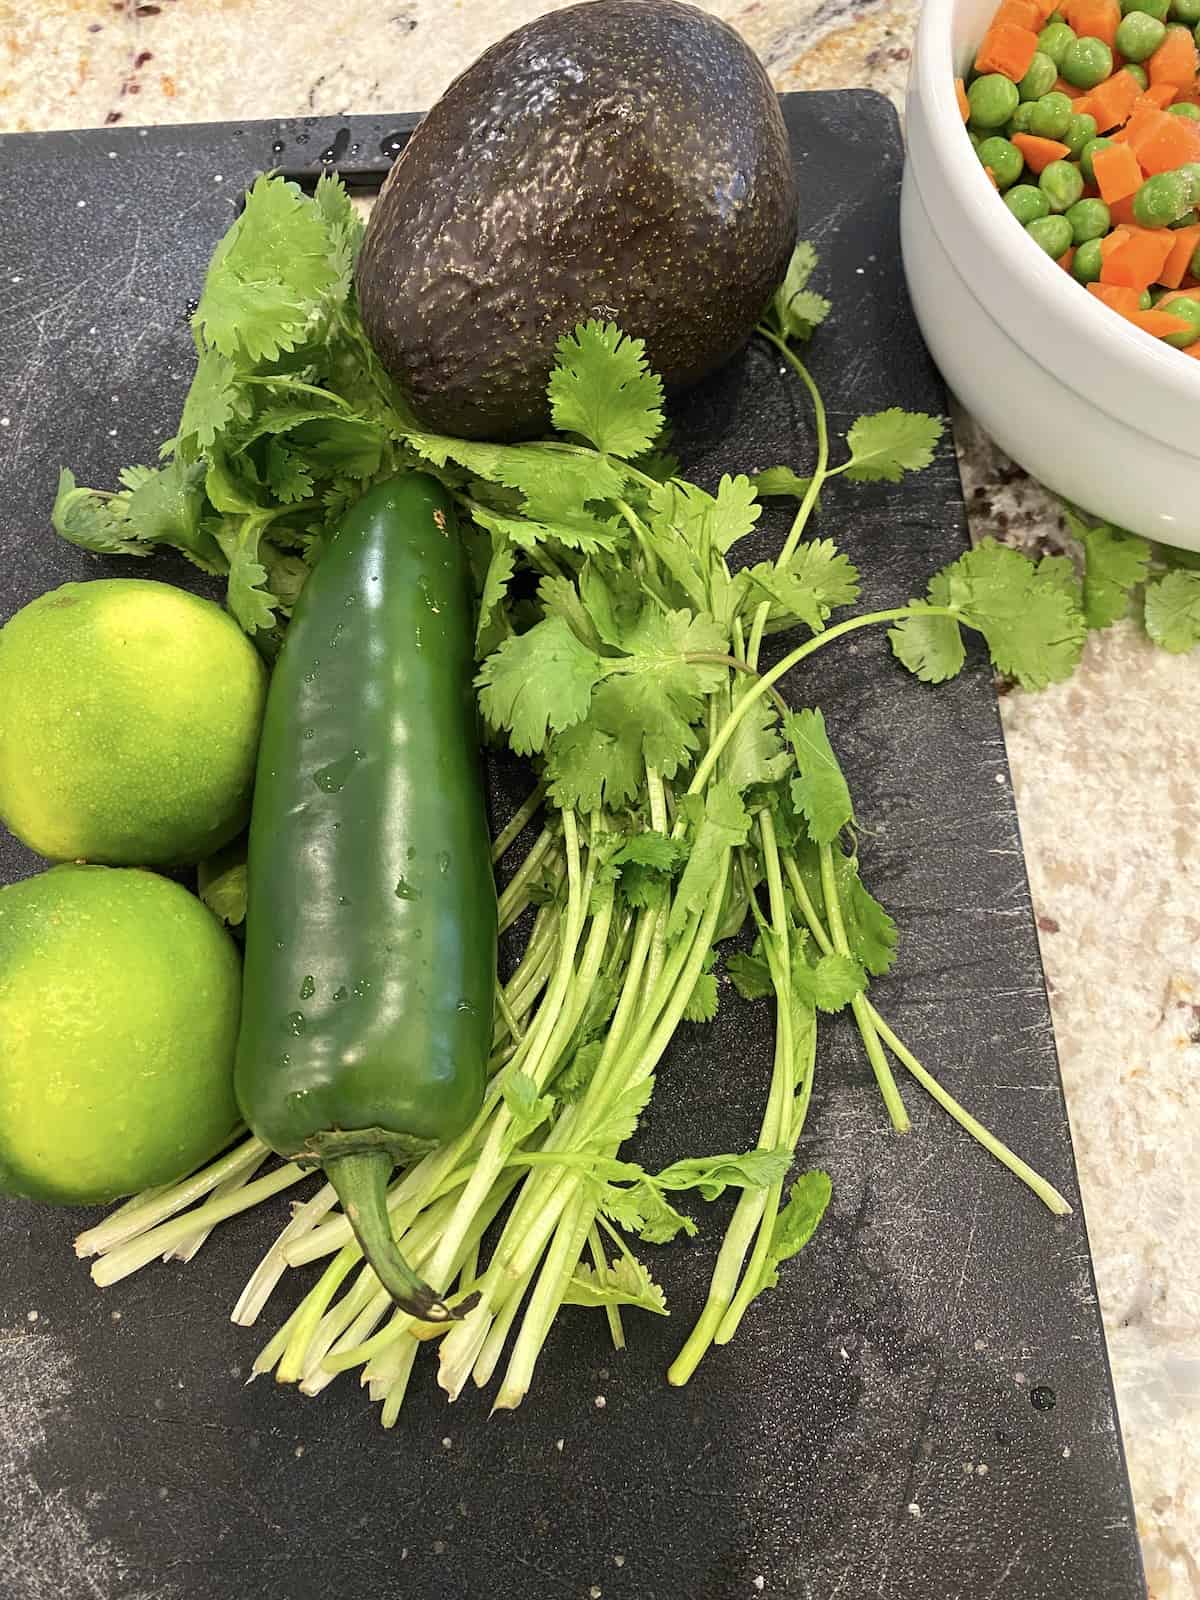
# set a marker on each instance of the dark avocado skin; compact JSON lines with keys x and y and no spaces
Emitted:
{"x":622,"y":159}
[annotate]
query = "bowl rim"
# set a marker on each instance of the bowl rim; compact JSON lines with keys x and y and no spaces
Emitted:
{"x":1085,"y":318}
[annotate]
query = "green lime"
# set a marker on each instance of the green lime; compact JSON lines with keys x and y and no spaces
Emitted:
{"x":129,"y":722}
{"x":120,"y":996}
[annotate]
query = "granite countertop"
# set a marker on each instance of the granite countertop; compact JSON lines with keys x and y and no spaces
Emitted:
{"x":1105,"y":767}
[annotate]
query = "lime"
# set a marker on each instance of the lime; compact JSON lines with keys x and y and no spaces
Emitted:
{"x":129,"y":722}
{"x":119,"y":1003}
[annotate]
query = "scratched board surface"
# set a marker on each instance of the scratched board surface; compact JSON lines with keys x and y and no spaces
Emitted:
{"x":923,"y":1408}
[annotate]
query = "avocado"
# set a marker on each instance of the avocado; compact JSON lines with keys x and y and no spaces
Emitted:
{"x":623,"y":160}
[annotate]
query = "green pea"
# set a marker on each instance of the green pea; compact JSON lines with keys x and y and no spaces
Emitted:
{"x":1194,"y":264}
{"x":1021,"y":118}
{"x":1054,"y":40}
{"x":1040,"y":79}
{"x":1055,"y":16}
{"x":1189,"y":310}
{"x":1089,"y":219}
{"x":1086,"y":62}
{"x":1081,"y":130}
{"x":1026,"y":203}
{"x":992,"y":99}
{"x":1198,"y":33}
{"x":1186,"y":11}
{"x":1051,"y":115}
{"x":1157,"y":9}
{"x":1145,"y":301}
{"x":1062,"y":185}
{"x":1189,"y":219}
{"x":1088,"y":155}
{"x":1139,"y":36}
{"x":1006,"y":161}
{"x":1088,"y":262}
{"x":976,"y":141}
{"x":1160,"y":200}
{"x":1183,"y":108}
{"x":1138,"y":73}
{"x":1051,"y":234}
{"x":1190,"y":172}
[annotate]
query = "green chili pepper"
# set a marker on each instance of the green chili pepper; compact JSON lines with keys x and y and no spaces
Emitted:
{"x":371,"y":924}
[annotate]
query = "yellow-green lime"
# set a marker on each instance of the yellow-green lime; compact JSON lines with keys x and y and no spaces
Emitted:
{"x":120,"y":995}
{"x":129,"y":722}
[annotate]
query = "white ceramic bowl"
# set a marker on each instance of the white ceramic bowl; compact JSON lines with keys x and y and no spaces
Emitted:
{"x":1088,"y":404}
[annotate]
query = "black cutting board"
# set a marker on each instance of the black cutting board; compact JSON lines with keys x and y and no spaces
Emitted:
{"x":923,"y":1409}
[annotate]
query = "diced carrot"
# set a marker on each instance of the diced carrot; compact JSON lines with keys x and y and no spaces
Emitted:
{"x":991,"y":177}
{"x":1117,"y":172}
{"x":1007,"y":49}
{"x":1113,"y":241}
{"x":1191,"y":350}
{"x":1174,"y":61}
{"x":1160,"y":94}
{"x":1158,"y":323}
{"x":960,"y":94}
{"x":1095,"y":19}
{"x":1072,"y":93}
{"x":1137,"y":262}
{"x":1020,"y":13}
{"x":1175,"y":294}
{"x":1121,"y":300}
{"x":1184,"y":244}
{"x":1111,"y":102}
{"x":1121,"y":212}
{"x":1065,"y":260}
{"x":1165,"y":145}
{"x":1039,"y":153}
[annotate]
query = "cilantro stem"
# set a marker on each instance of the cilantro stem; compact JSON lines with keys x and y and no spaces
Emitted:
{"x":612,"y":1314}
{"x":870,"y":1039}
{"x":781,"y":668}
{"x":820,"y":472}
{"x":719,"y":660}
{"x":312,"y":1308}
{"x":1045,"y":1191}
{"x":516,"y":824}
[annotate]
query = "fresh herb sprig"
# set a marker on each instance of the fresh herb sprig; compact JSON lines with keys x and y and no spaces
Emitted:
{"x":682,"y":801}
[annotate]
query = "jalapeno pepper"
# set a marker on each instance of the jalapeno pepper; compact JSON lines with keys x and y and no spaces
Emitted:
{"x":371,"y":924}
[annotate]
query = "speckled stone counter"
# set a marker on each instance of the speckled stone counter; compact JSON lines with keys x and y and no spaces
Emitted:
{"x":1105,"y":767}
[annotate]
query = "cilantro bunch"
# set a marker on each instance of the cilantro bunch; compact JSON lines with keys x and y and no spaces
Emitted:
{"x":692,"y":820}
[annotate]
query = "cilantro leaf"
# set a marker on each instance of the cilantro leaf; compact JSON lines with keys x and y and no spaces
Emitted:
{"x":780,"y":481}
{"x":1115,"y":563}
{"x":501,"y":566}
{"x":831,"y":983}
{"x":1031,"y":622}
{"x":704,"y":999}
{"x":214,"y":401}
{"x":288,"y":475}
{"x":221,"y":882}
{"x":816,"y":580}
{"x":1173,"y":611}
{"x":250,"y":600}
{"x":645,"y":865}
{"x":1059,"y":572}
{"x":712,"y":1175}
{"x":625,"y":1283}
{"x":796,"y":1223}
{"x":930,"y":646}
{"x":267,"y":276}
{"x":755,"y":753}
{"x":539,"y":681}
{"x":581,"y":532}
{"x":93,"y":520}
{"x":750,"y":976}
{"x":719,"y":823}
{"x":870,"y":931}
{"x":644,"y":1209}
{"x":886,"y":444}
{"x":820,"y":793}
{"x":602,"y":388}
{"x":526,"y":1106}
{"x":706,"y":522}
{"x":795,"y":308}
{"x":166,"y":508}
{"x":1034,"y":632}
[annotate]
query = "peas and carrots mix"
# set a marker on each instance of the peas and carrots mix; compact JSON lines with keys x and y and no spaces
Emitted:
{"x":1087,"y":121}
